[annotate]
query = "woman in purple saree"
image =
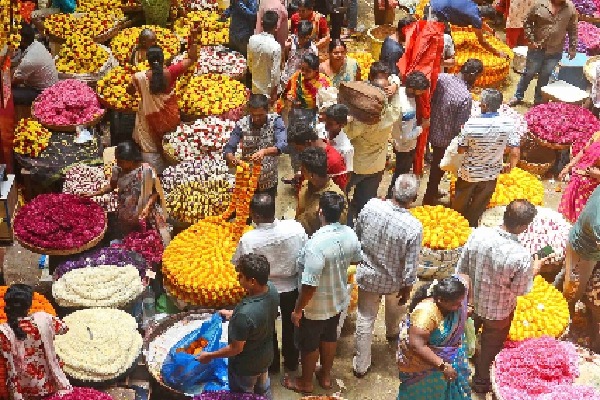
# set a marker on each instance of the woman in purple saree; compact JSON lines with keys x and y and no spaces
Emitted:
{"x":431,"y":349}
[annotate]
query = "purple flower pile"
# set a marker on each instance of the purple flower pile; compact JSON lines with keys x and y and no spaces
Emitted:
{"x":588,"y":40}
{"x":147,"y":242}
{"x":585,"y":7}
{"x":105,"y":256}
{"x":59,"y":221}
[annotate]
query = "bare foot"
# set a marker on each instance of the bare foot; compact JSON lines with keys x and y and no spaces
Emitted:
{"x":293,"y":384}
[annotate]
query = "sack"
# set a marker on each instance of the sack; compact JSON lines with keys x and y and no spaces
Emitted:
{"x":452,"y":161}
{"x":166,"y":120}
{"x":183,"y":372}
{"x":365,"y":102}
{"x":470,"y":337}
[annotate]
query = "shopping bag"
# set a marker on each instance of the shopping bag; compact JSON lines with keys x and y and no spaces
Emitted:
{"x":470,"y":337}
{"x":183,"y":372}
{"x":452,"y":161}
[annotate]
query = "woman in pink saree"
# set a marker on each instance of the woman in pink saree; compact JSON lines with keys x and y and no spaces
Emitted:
{"x":27,"y":345}
{"x":585,"y":177}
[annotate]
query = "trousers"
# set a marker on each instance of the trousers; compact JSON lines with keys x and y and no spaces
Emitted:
{"x":472,"y":198}
{"x":541,"y":63}
{"x":493,"y":337}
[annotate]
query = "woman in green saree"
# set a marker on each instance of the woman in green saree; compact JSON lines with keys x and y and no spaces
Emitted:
{"x":431,"y":349}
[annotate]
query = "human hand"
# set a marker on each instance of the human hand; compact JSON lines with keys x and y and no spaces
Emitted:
{"x":204,"y":357}
{"x":564,"y":172}
{"x":450,"y":373}
{"x":502,"y":54}
{"x":226,"y":313}
{"x":425,"y":123}
{"x":593,"y":172}
{"x":233,"y":161}
{"x":572,"y":54}
{"x":258,"y":156}
{"x":403,"y":295}
{"x":533,"y":46}
{"x":296,"y":317}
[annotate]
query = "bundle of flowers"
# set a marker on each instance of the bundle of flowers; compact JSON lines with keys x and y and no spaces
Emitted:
{"x":562,"y":123}
{"x":549,"y":228}
{"x":90,"y":25}
{"x":10,"y":24}
{"x":203,"y":169}
{"x":219,"y":60}
{"x":541,"y":312}
{"x":82,"y":179}
{"x":210,"y":5}
{"x":101,"y":344}
{"x":31,"y":138}
{"x":585,"y":7}
{"x":68,"y":102}
{"x":197,"y":263}
{"x":39,"y":303}
{"x":211,"y":30}
{"x":588,"y":39}
{"x":112,"y":88}
{"x":81,"y":393}
{"x":59,"y":221}
{"x":146,"y":242}
{"x":495,"y":69}
{"x":107,"y":286}
{"x":364,"y":59}
{"x":122,"y":45}
{"x":80,"y":55}
{"x":193,"y":201}
{"x":443,"y":228}
{"x":205,"y":136}
{"x":105,"y":256}
{"x":519,"y":120}
{"x":536,"y":367}
{"x":212,"y":94}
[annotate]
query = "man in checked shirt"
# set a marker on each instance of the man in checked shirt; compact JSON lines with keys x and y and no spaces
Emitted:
{"x":391,"y":242}
{"x":500,"y":269}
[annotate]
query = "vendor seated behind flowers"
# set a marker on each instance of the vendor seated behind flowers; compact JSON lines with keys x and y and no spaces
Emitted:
{"x":35,"y":72}
{"x":146,"y":40}
{"x":27,"y":345}
{"x":139,"y":197}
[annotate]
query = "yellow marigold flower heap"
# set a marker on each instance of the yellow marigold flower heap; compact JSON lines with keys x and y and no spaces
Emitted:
{"x":495,"y":69}
{"x":518,"y":184}
{"x":85,"y":6}
{"x":9,"y":34}
{"x":210,"y":94}
{"x":443,"y":228}
{"x":364,"y":60}
{"x":541,"y":312}
{"x":91,"y":24}
{"x":194,"y":201}
{"x":211,"y":31}
{"x":112,"y":88}
{"x":80,"y":55}
{"x":123,"y":44}
{"x":31,"y":138}
{"x":197,"y":263}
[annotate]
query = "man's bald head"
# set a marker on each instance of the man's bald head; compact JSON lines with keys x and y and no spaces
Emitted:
{"x":518,"y":215}
{"x":147,"y":39}
{"x":262,"y":208}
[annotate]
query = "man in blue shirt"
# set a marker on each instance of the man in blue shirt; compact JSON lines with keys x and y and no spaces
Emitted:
{"x":243,"y":21}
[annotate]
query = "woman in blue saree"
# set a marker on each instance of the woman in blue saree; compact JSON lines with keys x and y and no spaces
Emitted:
{"x":431,"y":349}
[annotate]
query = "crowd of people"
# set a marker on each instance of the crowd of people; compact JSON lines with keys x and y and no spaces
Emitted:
{"x":299,"y":266}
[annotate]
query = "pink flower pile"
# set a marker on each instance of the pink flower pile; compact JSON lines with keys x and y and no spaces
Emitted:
{"x":562,"y":123}
{"x":537,"y":367}
{"x":588,"y":39}
{"x":68,"y":102}
{"x":571,"y":392}
{"x":147,"y":242}
{"x":59,"y":221}
{"x":81,"y":393}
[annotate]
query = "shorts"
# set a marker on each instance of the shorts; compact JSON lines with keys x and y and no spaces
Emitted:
{"x":311,"y":333}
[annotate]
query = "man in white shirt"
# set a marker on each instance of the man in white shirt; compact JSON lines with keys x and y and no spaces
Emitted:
{"x":483,"y":140}
{"x":280,"y":242}
{"x":36,"y":71}
{"x":405,"y":132}
{"x":264,"y":58}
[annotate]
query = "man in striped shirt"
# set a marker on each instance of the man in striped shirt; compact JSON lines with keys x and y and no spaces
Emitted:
{"x":483,"y":140}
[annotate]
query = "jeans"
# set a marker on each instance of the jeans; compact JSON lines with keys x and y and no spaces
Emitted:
{"x":472,"y":198}
{"x":538,"y":62}
{"x":368,"y":307}
{"x":365,"y":190}
{"x":404,"y":162}
{"x":435,"y":175}
{"x":287,"y":302}
{"x":352,"y":14}
{"x":493,"y":336}
{"x":257,"y":384}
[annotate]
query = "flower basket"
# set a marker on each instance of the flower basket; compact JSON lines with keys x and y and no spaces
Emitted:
{"x":64,"y":252}
{"x":155,"y":355}
{"x":69,"y":128}
{"x":91,"y":79}
{"x":589,"y":69}
{"x":550,"y":145}
{"x":538,"y":169}
{"x":437,"y":264}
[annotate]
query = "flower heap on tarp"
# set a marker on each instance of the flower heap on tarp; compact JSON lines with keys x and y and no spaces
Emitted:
{"x":59,"y":221}
{"x":68,"y":102}
{"x":103,"y":286}
{"x":197,"y":264}
{"x":212,"y":94}
{"x":540,"y":369}
{"x":443,"y":228}
{"x":31,"y":138}
{"x":562,"y":123}
{"x":122,"y":45}
{"x":219,"y":60}
{"x":211,"y":30}
{"x":203,"y":169}
{"x":112,"y":89}
{"x":193,"y":201}
{"x":82,"y":179}
{"x":541,"y":312}
{"x":101,"y":344}
{"x":80,"y":55}
{"x":104,"y":256}
{"x":205,"y":136}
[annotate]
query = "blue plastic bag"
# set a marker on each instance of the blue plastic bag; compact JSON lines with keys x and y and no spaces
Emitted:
{"x":185,"y":373}
{"x":66,"y":6}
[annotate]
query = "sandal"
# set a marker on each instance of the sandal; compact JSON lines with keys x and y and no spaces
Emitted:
{"x":291,"y":384}
{"x":320,"y":380}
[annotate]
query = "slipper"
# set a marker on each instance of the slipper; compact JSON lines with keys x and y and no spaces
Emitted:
{"x":320,"y":381}
{"x":287,"y":383}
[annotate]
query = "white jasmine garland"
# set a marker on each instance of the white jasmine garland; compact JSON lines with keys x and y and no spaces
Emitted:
{"x":102,"y":286}
{"x":101,"y":344}
{"x":218,"y":60}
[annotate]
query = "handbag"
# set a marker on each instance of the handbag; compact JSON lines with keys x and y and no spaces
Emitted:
{"x":452,"y":161}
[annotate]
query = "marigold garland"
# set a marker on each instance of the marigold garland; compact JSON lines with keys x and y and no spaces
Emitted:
{"x":443,"y":228}
{"x":31,"y":138}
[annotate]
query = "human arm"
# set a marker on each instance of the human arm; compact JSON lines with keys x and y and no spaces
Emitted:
{"x":306,"y":294}
{"x":275,"y":74}
{"x":232,"y":145}
{"x":487,"y":46}
{"x":529,"y":28}
{"x":514,"y":155}
{"x":323,"y":33}
{"x":311,"y":263}
{"x":240,"y":327}
{"x":280,"y":142}
{"x":572,"y":30}
{"x":409,"y":274}
{"x":248,"y":7}
{"x":358,"y":76}
{"x":449,"y":52}
{"x":232,"y":349}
